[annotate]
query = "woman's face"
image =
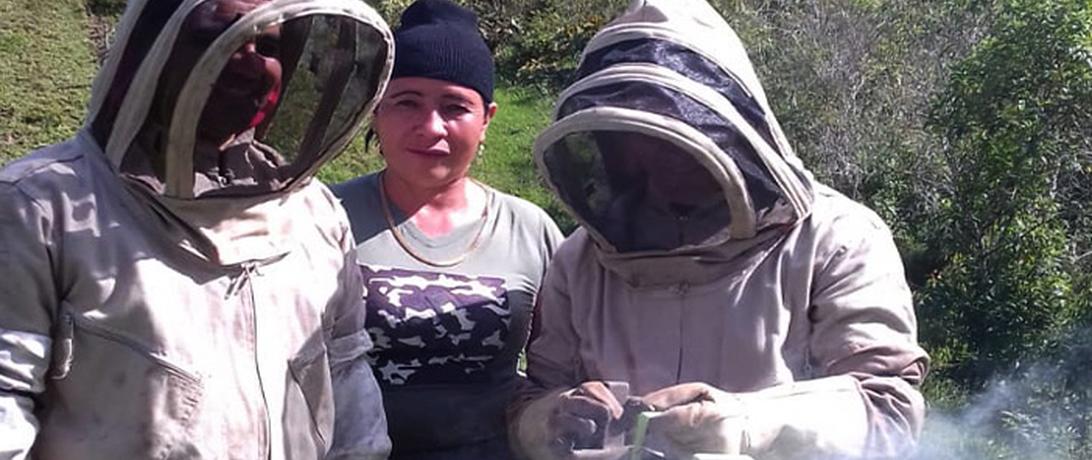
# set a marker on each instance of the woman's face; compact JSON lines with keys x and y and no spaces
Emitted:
{"x":429,"y":130}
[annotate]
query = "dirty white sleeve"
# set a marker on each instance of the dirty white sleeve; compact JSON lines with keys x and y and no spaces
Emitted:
{"x":864,"y":330}
{"x":27,"y":300}
{"x":360,"y":424}
{"x":530,"y":429}
{"x":23,"y":363}
{"x":552,"y":364}
{"x":822,"y":418}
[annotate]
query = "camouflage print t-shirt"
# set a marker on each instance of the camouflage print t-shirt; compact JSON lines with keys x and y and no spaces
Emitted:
{"x":447,"y":338}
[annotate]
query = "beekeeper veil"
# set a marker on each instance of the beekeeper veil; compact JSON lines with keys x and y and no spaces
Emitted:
{"x":213,"y":112}
{"x":665,"y":143}
{"x":235,"y":99}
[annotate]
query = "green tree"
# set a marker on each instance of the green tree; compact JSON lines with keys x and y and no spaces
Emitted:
{"x":1014,"y":120}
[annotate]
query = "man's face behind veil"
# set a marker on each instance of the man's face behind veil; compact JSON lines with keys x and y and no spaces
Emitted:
{"x":249,"y":86}
{"x":671,"y":175}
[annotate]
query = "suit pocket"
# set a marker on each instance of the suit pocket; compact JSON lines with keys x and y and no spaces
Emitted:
{"x":309,"y":400}
{"x":107,"y":382}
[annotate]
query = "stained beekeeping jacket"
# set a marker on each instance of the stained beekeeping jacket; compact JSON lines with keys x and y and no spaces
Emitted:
{"x":161,"y":300}
{"x":759,"y":281}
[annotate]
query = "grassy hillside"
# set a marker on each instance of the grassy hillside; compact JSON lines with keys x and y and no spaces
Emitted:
{"x":46,"y":67}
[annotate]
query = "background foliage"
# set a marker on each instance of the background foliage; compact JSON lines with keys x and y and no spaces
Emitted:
{"x":965,"y":123}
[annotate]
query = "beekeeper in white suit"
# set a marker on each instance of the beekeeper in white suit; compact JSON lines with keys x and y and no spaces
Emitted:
{"x":757,"y":311}
{"x":175,"y":285}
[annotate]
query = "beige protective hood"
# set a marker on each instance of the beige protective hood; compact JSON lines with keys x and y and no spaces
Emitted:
{"x":675,"y":74}
{"x":283,"y":87}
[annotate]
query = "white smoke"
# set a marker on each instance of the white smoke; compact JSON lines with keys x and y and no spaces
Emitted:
{"x":1041,"y":411}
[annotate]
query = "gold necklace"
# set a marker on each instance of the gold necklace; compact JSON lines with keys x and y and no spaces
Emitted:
{"x":409,"y":249}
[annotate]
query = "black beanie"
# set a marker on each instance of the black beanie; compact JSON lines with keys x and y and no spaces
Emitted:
{"x":439,"y":39}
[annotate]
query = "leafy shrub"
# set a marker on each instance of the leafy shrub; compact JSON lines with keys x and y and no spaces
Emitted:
{"x":543,"y":50}
{"x":1012,"y":117}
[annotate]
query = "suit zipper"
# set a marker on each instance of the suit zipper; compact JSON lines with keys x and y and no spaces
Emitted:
{"x":681,"y":290}
{"x":246,"y":277}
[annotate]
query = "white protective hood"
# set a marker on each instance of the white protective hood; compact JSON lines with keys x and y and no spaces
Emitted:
{"x":149,"y":104}
{"x":673,"y":70}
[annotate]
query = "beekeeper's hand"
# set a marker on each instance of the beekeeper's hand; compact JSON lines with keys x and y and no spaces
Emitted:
{"x":581,"y":417}
{"x":698,"y":418}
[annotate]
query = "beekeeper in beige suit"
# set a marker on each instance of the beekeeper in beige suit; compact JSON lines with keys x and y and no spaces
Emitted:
{"x":757,"y":311}
{"x":174,"y":283}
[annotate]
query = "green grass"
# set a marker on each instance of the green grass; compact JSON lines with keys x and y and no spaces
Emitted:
{"x":46,"y":67}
